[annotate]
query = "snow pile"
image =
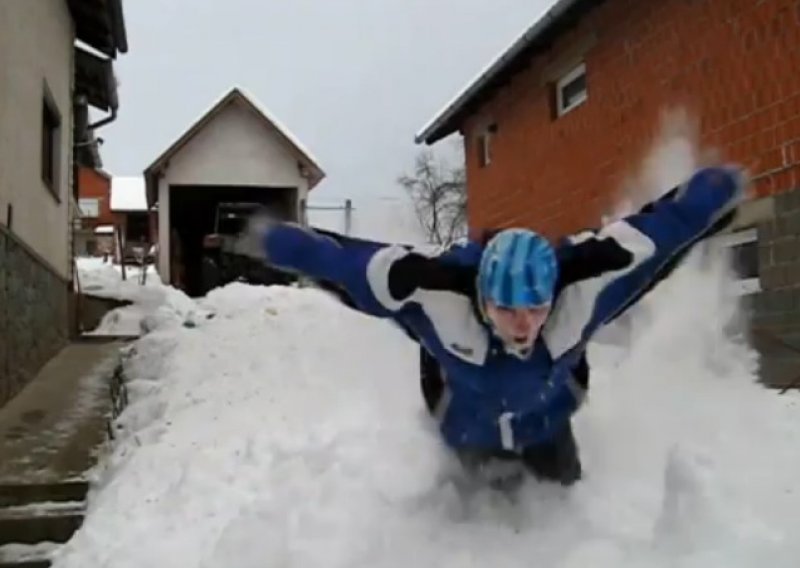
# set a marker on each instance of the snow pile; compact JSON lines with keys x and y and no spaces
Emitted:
{"x":152,"y":304}
{"x":287,"y":430}
{"x":103,"y":278}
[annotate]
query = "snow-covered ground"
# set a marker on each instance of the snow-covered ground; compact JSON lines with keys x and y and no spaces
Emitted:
{"x":283,"y":430}
{"x":151,"y":301}
{"x":287,"y":430}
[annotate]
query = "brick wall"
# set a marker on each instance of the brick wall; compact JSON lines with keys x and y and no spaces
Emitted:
{"x":33,"y":315}
{"x":732,"y":62}
{"x":94,"y":185}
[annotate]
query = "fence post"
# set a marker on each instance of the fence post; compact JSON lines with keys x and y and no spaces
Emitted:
{"x":303,"y":212}
{"x":348,"y":216}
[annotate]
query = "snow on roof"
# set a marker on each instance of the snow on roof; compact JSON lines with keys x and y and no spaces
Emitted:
{"x":128,"y":193}
{"x":279,"y":125}
{"x":104,"y":230}
{"x":266,"y":115}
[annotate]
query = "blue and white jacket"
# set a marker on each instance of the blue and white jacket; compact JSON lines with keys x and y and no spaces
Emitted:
{"x":495,"y":400}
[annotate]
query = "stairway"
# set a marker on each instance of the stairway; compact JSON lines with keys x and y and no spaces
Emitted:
{"x":36,"y":518}
{"x":51,"y":434}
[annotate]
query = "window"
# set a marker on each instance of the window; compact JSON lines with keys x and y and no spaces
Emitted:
{"x":89,"y":207}
{"x":743,"y":248}
{"x":571,"y":90}
{"x":484,"y":145}
{"x":51,"y":123}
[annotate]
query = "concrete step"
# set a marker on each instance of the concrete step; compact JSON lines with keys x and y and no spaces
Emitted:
{"x":41,"y":522}
{"x":44,"y":563}
{"x":51,"y":433}
{"x":36,"y":518}
{"x":17,"y":494}
{"x":26,"y":556}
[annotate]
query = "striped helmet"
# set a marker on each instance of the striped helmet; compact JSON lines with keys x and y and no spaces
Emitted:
{"x":518,"y":269}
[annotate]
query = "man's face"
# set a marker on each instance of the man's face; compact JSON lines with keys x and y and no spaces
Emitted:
{"x":517,"y":327}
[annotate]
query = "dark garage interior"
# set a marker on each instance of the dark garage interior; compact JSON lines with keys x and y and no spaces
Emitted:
{"x":193,"y":214}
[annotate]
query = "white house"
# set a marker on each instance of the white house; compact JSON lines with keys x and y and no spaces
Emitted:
{"x":47,"y":82}
{"x":235,"y":152}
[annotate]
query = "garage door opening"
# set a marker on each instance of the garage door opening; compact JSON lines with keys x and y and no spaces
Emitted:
{"x":203,"y":223}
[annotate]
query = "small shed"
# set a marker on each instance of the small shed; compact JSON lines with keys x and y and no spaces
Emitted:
{"x":235,"y":153}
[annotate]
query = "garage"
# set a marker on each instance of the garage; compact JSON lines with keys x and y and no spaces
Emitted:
{"x":233,"y":161}
{"x":218,"y":215}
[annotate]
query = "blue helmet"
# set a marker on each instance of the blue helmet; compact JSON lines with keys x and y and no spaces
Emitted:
{"x":518,"y":269}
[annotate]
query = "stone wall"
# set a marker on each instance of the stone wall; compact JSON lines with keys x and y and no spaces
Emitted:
{"x":774,"y":312}
{"x":777,"y":307}
{"x":33,"y":314}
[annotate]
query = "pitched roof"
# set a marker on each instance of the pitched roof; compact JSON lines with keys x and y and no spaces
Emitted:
{"x":537,"y":37}
{"x":316,"y":173}
{"x":128,"y":193}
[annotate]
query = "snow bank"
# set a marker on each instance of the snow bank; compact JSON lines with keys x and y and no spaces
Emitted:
{"x":153,"y":303}
{"x":104,"y":278}
{"x":287,"y":431}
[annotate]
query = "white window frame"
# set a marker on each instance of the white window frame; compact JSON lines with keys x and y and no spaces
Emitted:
{"x":565,"y":80}
{"x":484,"y":140}
{"x":91,"y":213}
{"x":744,"y":286}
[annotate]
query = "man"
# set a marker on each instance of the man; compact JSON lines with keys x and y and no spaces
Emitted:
{"x":504,"y":323}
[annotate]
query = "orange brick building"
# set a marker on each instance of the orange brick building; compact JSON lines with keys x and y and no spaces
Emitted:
{"x":112,"y":204}
{"x":95,"y":197}
{"x":553,"y":126}
{"x":733,"y":63}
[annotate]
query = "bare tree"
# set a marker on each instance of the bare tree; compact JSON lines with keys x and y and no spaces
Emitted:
{"x":439,"y":193}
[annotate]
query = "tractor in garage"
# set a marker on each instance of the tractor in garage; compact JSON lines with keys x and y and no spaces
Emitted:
{"x":224,"y":261}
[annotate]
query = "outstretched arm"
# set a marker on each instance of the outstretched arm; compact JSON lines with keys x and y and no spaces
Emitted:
{"x":381,"y":279}
{"x":605,"y":272}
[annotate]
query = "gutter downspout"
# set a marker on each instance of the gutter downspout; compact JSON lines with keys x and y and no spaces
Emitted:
{"x":111,"y":85}
{"x":111,"y":118}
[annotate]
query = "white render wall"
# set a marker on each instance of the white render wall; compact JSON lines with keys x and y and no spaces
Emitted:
{"x":35,"y":48}
{"x":236,"y":148}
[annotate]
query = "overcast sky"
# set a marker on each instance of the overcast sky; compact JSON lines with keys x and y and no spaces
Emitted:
{"x":354,"y":80}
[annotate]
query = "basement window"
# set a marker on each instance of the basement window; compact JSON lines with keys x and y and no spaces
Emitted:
{"x":743,"y":248}
{"x":571,"y":90}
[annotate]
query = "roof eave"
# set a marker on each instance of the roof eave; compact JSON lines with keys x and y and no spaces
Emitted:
{"x":316,"y":173}
{"x":316,"y":177}
{"x":449,"y":119}
{"x":100,"y":24}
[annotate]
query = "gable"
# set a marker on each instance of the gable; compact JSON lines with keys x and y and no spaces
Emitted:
{"x":235,"y":147}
